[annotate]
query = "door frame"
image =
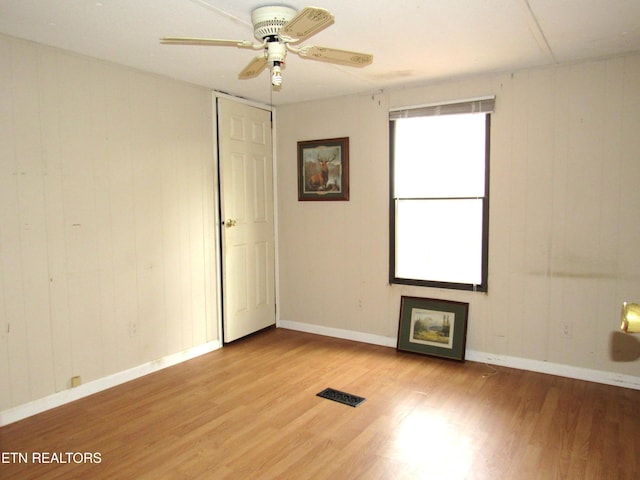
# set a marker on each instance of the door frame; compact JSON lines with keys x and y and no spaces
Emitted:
{"x":217,"y":205}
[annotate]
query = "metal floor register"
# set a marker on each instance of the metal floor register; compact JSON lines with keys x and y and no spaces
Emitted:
{"x":341,"y":397}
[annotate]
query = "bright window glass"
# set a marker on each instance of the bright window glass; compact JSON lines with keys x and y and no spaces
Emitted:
{"x":439,"y":203}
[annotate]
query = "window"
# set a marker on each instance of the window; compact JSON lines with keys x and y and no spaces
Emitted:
{"x":439,"y":205}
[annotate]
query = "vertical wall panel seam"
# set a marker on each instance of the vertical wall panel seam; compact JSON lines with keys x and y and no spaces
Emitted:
{"x":20,"y":224}
{"x":43,"y":178}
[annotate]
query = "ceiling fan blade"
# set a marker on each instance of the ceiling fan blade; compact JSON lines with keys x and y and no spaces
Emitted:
{"x":209,"y":42}
{"x":307,"y":22}
{"x":254,"y":68}
{"x":333,"y":55}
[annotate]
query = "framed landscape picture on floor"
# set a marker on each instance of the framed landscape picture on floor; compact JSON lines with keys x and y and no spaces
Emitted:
{"x":433,"y":327}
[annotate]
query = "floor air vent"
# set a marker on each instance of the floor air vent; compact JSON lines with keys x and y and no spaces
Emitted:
{"x":341,"y":397}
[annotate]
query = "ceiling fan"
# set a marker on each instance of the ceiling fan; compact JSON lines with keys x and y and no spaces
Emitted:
{"x":279,"y":29}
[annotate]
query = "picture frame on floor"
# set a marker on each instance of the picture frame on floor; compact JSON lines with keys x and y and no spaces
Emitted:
{"x":434,"y":327}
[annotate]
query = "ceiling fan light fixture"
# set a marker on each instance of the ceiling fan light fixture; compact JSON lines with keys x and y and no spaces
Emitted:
{"x":276,"y":51}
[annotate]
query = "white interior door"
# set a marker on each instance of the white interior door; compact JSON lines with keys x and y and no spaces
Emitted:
{"x":247,"y":213}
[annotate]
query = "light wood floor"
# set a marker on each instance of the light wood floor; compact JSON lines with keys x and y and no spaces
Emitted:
{"x":249,"y":411}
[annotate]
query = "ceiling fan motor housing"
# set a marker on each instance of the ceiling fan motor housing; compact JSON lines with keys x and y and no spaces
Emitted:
{"x":267,"y":21}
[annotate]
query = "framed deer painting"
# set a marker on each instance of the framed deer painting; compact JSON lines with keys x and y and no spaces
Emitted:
{"x":323,"y":169}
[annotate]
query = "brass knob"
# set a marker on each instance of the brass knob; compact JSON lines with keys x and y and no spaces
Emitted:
{"x":230,"y":223}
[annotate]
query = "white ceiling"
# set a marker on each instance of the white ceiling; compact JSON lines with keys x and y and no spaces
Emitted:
{"x":412,"y":41}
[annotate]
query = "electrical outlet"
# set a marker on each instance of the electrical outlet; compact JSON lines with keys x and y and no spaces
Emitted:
{"x":567,"y":330}
{"x":133,"y":329}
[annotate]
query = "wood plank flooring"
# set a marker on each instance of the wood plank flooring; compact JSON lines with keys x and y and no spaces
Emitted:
{"x":250,"y":411}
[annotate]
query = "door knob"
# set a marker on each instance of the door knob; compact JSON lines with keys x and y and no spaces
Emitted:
{"x":230,"y":223}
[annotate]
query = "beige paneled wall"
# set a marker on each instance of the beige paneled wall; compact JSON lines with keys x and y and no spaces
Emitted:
{"x":106,"y":219}
{"x":564,"y":220}
{"x":333,"y":255}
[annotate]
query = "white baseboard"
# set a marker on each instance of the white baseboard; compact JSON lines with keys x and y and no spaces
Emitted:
{"x":339,"y":333}
{"x":597,"y":376}
{"x":66,"y":396}
{"x":569,"y":371}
